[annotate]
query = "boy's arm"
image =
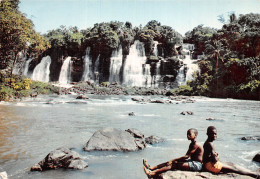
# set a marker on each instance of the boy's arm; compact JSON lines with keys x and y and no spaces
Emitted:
{"x":213,"y":154}
{"x":191,"y":150}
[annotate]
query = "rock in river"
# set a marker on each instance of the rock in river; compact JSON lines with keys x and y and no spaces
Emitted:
{"x":111,"y":139}
{"x":257,"y":157}
{"x":60,"y":158}
{"x":187,"y":113}
{"x":153,"y":140}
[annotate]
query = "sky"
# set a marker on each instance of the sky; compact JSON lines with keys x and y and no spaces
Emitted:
{"x":181,"y":15}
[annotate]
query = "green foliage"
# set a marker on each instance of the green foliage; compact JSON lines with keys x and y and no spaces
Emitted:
{"x":105,"y":84}
{"x":6,"y":93}
{"x":199,"y":36}
{"x":182,"y":90}
{"x":17,"y":34}
{"x":65,"y":39}
{"x":231,"y":66}
{"x":250,"y":87}
{"x":19,"y":87}
{"x":165,"y":35}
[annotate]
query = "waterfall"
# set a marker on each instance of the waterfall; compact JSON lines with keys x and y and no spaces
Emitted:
{"x":96,"y":70}
{"x":147,"y":78}
{"x":42,"y":71}
{"x":133,"y":68}
{"x":181,"y":79}
{"x":65,"y":73}
{"x":186,"y":71}
{"x":155,"y":50}
{"x":192,"y":67}
{"x":115,"y":65}
{"x":26,"y":67}
{"x":87,"y":66}
{"x":157,"y":77}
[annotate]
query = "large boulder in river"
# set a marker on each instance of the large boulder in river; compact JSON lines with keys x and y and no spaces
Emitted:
{"x":199,"y":175}
{"x":60,"y":158}
{"x":111,"y":139}
{"x":257,"y":157}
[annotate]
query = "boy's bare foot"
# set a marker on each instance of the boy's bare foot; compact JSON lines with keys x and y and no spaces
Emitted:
{"x":146,"y":164}
{"x":148,"y":172}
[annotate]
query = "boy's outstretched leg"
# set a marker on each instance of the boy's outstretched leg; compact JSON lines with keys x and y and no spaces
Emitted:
{"x":239,"y":170}
{"x":146,"y":165}
{"x":156,"y":166}
{"x":147,"y":172}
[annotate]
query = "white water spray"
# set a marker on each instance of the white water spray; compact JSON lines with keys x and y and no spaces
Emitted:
{"x":26,"y":67}
{"x":155,"y":50}
{"x":115,"y":65}
{"x":187,"y":70}
{"x":87,"y":66}
{"x":65,"y":73}
{"x":42,"y":71}
{"x":133,"y":69}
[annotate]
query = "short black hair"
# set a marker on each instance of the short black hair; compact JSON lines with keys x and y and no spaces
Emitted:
{"x":194,"y":130}
{"x":211,"y":128}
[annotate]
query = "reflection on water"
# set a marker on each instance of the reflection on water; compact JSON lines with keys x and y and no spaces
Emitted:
{"x":10,"y":125}
{"x":29,"y":130}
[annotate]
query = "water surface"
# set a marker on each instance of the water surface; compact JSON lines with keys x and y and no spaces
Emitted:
{"x":29,"y":130}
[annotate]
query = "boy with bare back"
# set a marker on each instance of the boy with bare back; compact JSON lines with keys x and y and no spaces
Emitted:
{"x":211,"y":159}
{"x":191,"y":161}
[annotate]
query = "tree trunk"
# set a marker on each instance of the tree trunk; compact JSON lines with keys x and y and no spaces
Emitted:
{"x":12,"y":67}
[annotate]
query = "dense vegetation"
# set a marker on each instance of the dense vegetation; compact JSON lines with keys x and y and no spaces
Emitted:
{"x":230,"y":66}
{"x":16,"y":35}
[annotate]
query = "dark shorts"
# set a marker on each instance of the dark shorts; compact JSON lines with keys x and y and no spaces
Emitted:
{"x":194,"y":165}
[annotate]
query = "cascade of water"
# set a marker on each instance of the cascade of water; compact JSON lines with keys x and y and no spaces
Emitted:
{"x":26,"y":66}
{"x":96,"y":70}
{"x":186,"y":71}
{"x":65,"y":73}
{"x":87,"y":66}
{"x":155,"y":50}
{"x":147,"y":78}
{"x":158,"y":74}
{"x":133,"y":69}
{"x":115,"y":65}
{"x":42,"y":71}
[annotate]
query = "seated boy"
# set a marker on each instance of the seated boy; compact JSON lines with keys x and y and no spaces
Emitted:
{"x":191,"y":161}
{"x":211,"y":159}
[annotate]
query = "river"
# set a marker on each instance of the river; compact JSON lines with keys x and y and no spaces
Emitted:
{"x":30,"y":129}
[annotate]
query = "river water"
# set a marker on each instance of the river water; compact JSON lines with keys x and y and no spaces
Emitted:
{"x":30,"y":129}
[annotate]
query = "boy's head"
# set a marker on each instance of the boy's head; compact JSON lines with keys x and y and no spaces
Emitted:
{"x":192,"y":134}
{"x":212,"y":132}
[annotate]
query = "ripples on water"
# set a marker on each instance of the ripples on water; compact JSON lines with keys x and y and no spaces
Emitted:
{"x":29,"y":130}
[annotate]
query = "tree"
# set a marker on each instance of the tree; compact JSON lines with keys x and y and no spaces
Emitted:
{"x":17,"y":34}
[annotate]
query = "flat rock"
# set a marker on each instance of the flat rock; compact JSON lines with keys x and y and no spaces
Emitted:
{"x":199,"y":175}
